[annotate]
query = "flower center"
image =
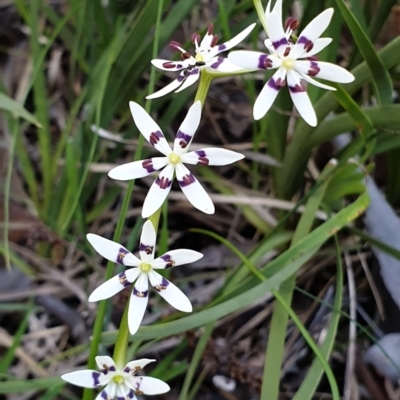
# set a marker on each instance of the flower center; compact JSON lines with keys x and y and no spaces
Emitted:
{"x":118,"y":379}
{"x":144,"y":267}
{"x":288,"y":63}
{"x":174,"y":158}
{"x":199,"y":57}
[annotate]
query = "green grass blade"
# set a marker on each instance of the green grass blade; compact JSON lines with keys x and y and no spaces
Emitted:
{"x":8,"y":104}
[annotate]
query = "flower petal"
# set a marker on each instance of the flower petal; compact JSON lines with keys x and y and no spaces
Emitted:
{"x":108,"y":392}
{"x":147,"y":242}
{"x":137,"y":365}
{"x":176,"y":257}
{"x":277,"y":9}
{"x":158,"y":191}
{"x":300,"y":98}
{"x":105,"y":364}
{"x":138,"y":303}
{"x":253,"y":59}
{"x":193,"y":190}
{"x":276,"y":33}
{"x":234,"y":41}
{"x":268,"y":94}
{"x":191,"y":78}
{"x":319,"y":45}
{"x":150,"y":386}
{"x":170,"y":292}
{"x":334,"y":73}
{"x":187,"y":129}
{"x":137,"y":169}
{"x":222,"y":65}
{"x":211,"y":156}
{"x":315,"y":82}
{"x":114,"y":285}
{"x":167,"y":65}
{"x":112,"y":251}
{"x":149,"y":129}
{"x":167,"y":89}
{"x":311,"y":33}
{"x":86,"y":378}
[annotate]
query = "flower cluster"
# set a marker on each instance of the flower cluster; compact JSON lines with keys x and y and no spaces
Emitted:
{"x":296,"y":63}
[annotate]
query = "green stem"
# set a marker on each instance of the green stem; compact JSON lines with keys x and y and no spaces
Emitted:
{"x":204,"y":86}
{"x":261,"y":14}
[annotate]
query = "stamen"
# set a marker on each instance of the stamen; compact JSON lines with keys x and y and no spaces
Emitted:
{"x":280,"y":82}
{"x":175,"y":45}
{"x":196,"y":38}
{"x":313,"y":58}
{"x":169,"y":65}
{"x":214,"y":41}
{"x":186,"y":55}
{"x":308,"y":46}
{"x":292,"y":24}
{"x":287,"y":51}
{"x":144,"y":267}
{"x":118,"y":379}
{"x":174,"y":158}
{"x":210,"y":29}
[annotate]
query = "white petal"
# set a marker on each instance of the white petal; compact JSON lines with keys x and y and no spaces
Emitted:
{"x":150,"y":386}
{"x":187,"y":129}
{"x":311,"y":33}
{"x":334,"y":73}
{"x":138,"y":303}
{"x":222,"y":65}
{"x":235,"y":40}
{"x":109,"y":392}
{"x":300,"y":98}
{"x":149,"y":129}
{"x":112,"y":251}
{"x":253,"y":59}
{"x":170,"y":292}
{"x":193,"y":190}
{"x":211,"y":156}
{"x":193,"y":76}
{"x":268,"y":94}
{"x":105,"y":364}
{"x":137,"y":364}
{"x":121,"y":392}
{"x":168,"y":65}
{"x":137,"y":169}
{"x":147,"y":242}
{"x":276,"y":33}
{"x":315,"y":82}
{"x":319,"y":45}
{"x":206,"y":42}
{"x":166,"y":89}
{"x":176,"y":257}
{"x":158,"y":191}
{"x":114,"y":285}
{"x":85,"y":378}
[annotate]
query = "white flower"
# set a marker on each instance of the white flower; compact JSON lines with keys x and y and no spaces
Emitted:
{"x":206,"y":57}
{"x":173,"y":162}
{"x":294,"y":62}
{"x":119,"y":382}
{"x":142,"y":273}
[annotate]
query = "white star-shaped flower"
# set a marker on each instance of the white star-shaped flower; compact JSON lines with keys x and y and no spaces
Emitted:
{"x":173,"y":162}
{"x":294,"y":62}
{"x":144,"y":271}
{"x":119,"y":382}
{"x":206,"y":57}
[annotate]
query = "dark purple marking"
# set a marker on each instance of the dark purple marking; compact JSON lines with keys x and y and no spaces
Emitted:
{"x":264,"y":62}
{"x":146,"y":248}
{"x":195,"y":71}
{"x":169,"y":64}
{"x":308,"y":44}
{"x":162,"y":286}
{"x":203,"y":160}
{"x":127,"y":369}
{"x":210,"y":29}
{"x":104,"y":395}
{"x":292,"y":24}
{"x":303,"y":40}
{"x":96,"y":376}
{"x":217,"y":63}
{"x":163,"y":182}
{"x":314,"y":69}
{"x":123,"y":280}
{"x":287,"y":51}
{"x":276,"y":85}
{"x":121,"y":398}
{"x":222,"y":47}
{"x":299,"y":88}
{"x":279,"y":43}
{"x":185,"y":139}
{"x":131,"y":394}
{"x":187,"y":180}
{"x":148,"y":165}
{"x":181,"y":77}
{"x":313,"y":58}
{"x":167,"y":258}
{"x":112,"y":368}
{"x":155,"y":137}
{"x":139,"y":294}
{"x":122,"y":252}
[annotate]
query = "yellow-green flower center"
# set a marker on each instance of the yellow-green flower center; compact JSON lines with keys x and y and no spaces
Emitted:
{"x":144,"y":267}
{"x":174,"y":158}
{"x":199,"y":57}
{"x":118,"y":379}
{"x":288,"y":63}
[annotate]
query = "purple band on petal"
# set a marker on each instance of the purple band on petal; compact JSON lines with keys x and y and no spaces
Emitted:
{"x":96,"y":376}
{"x":185,"y":139}
{"x":127,"y":369}
{"x":167,"y":258}
{"x":217,"y":63}
{"x":146,"y":248}
{"x":122,"y":252}
{"x":187,"y":180}
{"x":195,"y":71}
{"x":308,"y":44}
{"x":123,"y":280}
{"x":121,"y":398}
{"x":148,"y":165}
{"x":314,"y":69}
{"x":298,"y":88}
{"x":163,"y":183}
{"x":112,"y":368}
{"x":264,"y":62}
{"x":162,"y":286}
{"x":104,"y":395}
{"x":138,"y":382}
{"x":155,"y":137}
{"x":131,"y":394}
{"x":303,"y":40}
{"x":279,"y":43}
{"x":276,"y":85}
{"x":221,"y":47}
{"x":180,"y":78}
{"x":140,"y":294}
{"x":203,"y":160}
